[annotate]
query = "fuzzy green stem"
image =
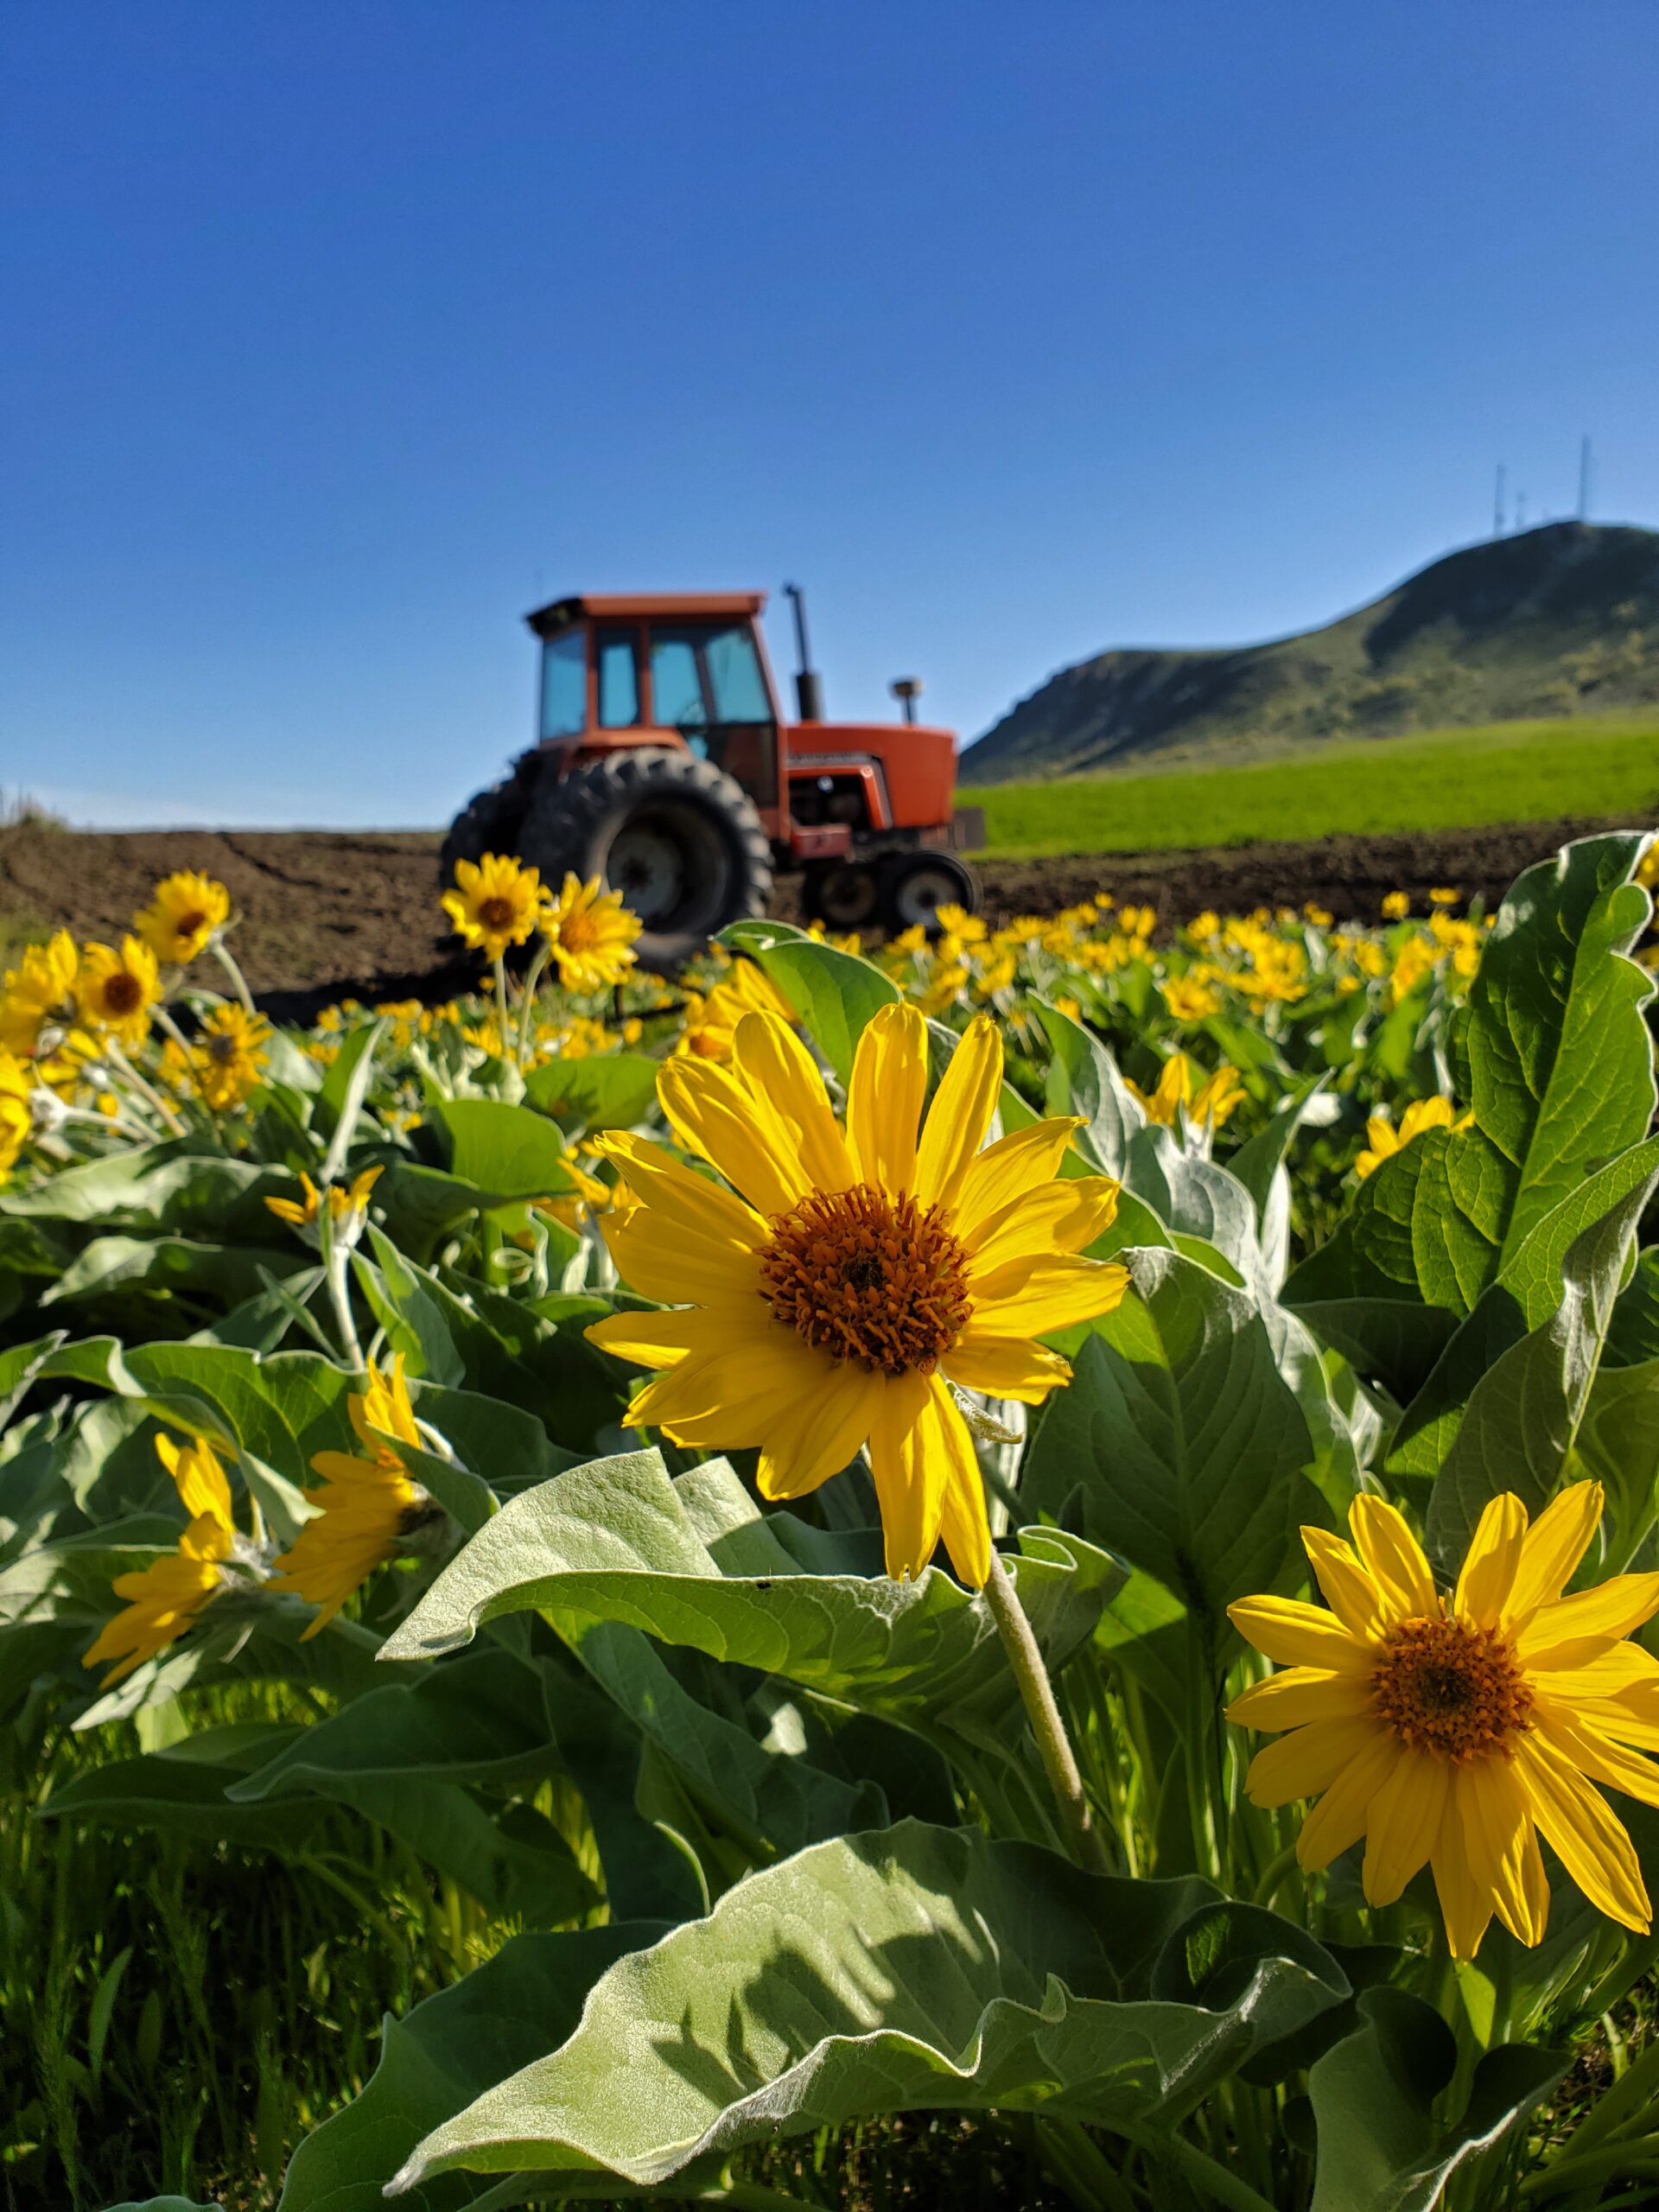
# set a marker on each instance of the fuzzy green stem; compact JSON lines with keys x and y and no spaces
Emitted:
{"x":227,"y":959}
{"x":501,"y":1000}
{"x":543,"y":952}
{"x":1043,"y":1711}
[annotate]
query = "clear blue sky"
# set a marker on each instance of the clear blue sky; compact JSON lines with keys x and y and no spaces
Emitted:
{"x":336,"y":333}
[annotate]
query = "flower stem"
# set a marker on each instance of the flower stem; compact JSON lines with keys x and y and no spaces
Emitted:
{"x":501,"y":1002}
{"x":227,"y":961}
{"x":1043,"y":1711}
{"x":528,"y":1007}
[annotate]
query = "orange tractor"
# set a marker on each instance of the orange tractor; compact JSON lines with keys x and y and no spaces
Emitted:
{"x":664,"y":766}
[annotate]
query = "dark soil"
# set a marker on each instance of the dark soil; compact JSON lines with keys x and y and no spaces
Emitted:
{"x":326,"y":914}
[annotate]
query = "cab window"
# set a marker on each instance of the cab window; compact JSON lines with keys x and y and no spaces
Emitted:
{"x":677,"y":686}
{"x":619,"y":681}
{"x":735,"y":677}
{"x":564,"y":684}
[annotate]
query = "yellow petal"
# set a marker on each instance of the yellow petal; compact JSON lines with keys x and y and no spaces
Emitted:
{"x":662,"y":1260}
{"x":1403,"y":1824}
{"x":1294,"y":1634}
{"x":960,"y":1115}
{"x":1061,"y":1217}
{"x":1393,"y":1558}
{"x":819,"y":1432}
{"x":1597,"y":1755}
{"x":1032,"y":1298}
{"x":963,"y":1524}
{"x":662,"y":1339}
{"x":1338,"y":1820}
{"x":909,"y":1481}
{"x":671,"y":1189}
{"x":1583,"y":1832}
{"x":728,"y":1399}
{"x":1495,"y":1825}
{"x":1005,"y":1367}
{"x":1465,"y":1906}
{"x":1008,"y":1169}
{"x":1554,"y":1544}
{"x":1297,"y":1695}
{"x":714,"y":1114}
{"x":1349,"y":1591}
{"x":1611,"y":1610}
{"x":768,"y":1056}
{"x":1494,"y":1557}
{"x":1309,"y":1759}
{"x":885,"y":1098}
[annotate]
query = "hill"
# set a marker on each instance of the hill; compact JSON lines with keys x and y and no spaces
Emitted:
{"x":1562,"y":620}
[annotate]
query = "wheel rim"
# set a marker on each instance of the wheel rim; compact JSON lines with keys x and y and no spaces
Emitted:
{"x":673,"y":867}
{"x":848,"y":897}
{"x":648,"y":868}
{"x":919,"y":896}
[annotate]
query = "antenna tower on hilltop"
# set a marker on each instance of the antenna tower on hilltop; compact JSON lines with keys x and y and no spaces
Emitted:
{"x":1498,"y":502}
{"x":1584,"y":478}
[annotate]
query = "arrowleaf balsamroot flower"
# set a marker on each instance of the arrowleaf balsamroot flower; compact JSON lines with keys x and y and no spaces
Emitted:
{"x":370,"y":1508}
{"x":164,"y":1599}
{"x":38,"y":1001}
{"x":230,"y":1057}
{"x":348,"y":1207}
{"x":1385,"y":1140}
{"x":832,"y":1297}
{"x":1205,"y":1106}
{"x":1453,"y":1732}
{"x":16,"y":1110}
{"x":496,"y":904}
{"x":590,"y":933}
{"x":185,"y":912}
{"x":117,"y":989}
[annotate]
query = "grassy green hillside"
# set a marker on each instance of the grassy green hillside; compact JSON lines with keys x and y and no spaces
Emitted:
{"x":1448,"y":778}
{"x":1562,"y":620}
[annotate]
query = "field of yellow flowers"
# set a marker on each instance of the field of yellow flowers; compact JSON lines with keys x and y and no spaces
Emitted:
{"x":1016,"y":1569}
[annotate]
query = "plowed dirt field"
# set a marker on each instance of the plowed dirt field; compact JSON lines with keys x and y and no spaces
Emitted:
{"x":326,"y":914}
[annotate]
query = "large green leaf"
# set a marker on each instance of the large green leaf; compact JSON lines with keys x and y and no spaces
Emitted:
{"x":1180,"y":1444}
{"x":164,"y":1266}
{"x":694,"y":1562}
{"x":913,"y":1968}
{"x":517,"y":2007}
{"x":509,"y":1152}
{"x":1083,"y":1078}
{"x":833,"y":992}
{"x":1381,"y":2148}
{"x":610,"y":1090}
{"x":1523,"y":1417}
{"x":183,"y":1184}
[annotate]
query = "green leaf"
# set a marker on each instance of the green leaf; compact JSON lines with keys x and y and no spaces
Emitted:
{"x":1179,"y":1444}
{"x":515,"y":2008}
{"x":182,"y":1185}
{"x":339,"y":1095}
{"x":694,"y":1562}
{"x":19,"y":1365}
{"x":509,"y":1152}
{"x":833,"y":992}
{"x":611,"y":1090}
{"x":1083,"y":1078}
{"x":163,"y":1266}
{"x":1380,"y":2147}
{"x":1523,"y":1416}
{"x":915,"y":1968}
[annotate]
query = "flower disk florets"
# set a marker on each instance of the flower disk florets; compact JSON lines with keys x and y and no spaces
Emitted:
{"x":869,"y":1278}
{"x":1451,"y":1689}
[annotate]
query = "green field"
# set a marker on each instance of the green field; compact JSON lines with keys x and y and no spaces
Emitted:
{"x":1447,"y":779}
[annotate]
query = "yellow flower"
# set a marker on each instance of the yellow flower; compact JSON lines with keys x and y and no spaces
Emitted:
{"x":1443,"y":896}
{"x":1211,"y":1103}
{"x":1188,"y":998}
{"x":496,"y":904}
{"x":183,"y":914}
{"x":858,"y":1275}
{"x":164,"y":1599}
{"x":1203,"y":926}
{"x":116,"y":990}
{"x":348,"y":1207}
{"x":370,"y":1508}
{"x":711,"y":1023}
{"x":1385,"y":1140}
{"x":1321,"y":917}
{"x":592,"y":935}
{"x":1396,"y":905}
{"x":39,"y":1002}
{"x":1450,"y":1732}
{"x":956,"y":921}
{"x":16,"y":1114}
{"x":230,"y":1057}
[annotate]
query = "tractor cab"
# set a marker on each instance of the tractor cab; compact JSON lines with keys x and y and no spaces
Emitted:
{"x":663,"y":765}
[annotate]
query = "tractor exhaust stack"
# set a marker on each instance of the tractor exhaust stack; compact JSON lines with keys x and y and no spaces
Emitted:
{"x":808,"y":684}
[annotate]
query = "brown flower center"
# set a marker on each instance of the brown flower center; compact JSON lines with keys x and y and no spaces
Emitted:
{"x":865,"y":1277}
{"x":1454,"y":1691}
{"x":496,"y":913}
{"x":188,"y":925}
{"x":123,"y":993}
{"x":222,"y":1049}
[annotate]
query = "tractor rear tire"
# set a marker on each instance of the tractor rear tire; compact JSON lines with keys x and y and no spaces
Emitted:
{"x":914,"y":886}
{"x":676,"y":835}
{"x":489,"y":823}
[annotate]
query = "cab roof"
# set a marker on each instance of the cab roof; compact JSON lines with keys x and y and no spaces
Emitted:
{"x":643,"y":606}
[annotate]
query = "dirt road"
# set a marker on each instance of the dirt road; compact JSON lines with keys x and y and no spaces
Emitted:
{"x":325,"y":912}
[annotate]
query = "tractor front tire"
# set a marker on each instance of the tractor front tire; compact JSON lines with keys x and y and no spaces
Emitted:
{"x":487,"y":823}
{"x":676,"y":835}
